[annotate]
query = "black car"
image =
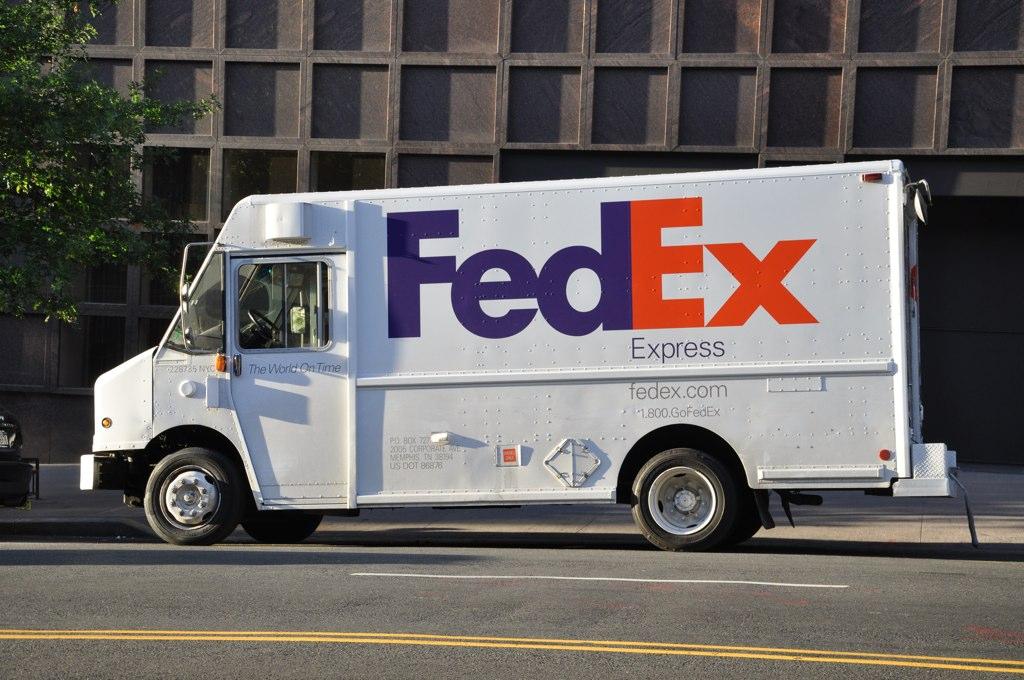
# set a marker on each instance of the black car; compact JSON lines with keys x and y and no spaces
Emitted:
{"x":15,"y":474}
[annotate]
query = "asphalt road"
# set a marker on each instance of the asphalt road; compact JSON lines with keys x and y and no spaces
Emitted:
{"x":243,"y":610}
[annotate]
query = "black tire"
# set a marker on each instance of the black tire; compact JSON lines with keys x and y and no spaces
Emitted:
{"x":213,"y":523}
{"x":718,"y":501}
{"x":281,"y":526}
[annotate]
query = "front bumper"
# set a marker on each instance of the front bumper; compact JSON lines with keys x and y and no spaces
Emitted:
{"x":102,"y":471}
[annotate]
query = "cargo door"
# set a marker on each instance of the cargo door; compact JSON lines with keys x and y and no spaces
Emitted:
{"x":288,"y":350}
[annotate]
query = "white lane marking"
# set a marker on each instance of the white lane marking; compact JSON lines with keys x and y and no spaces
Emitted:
{"x":598,"y":578}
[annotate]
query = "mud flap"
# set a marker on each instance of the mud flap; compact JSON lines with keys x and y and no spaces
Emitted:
{"x":967,"y":507}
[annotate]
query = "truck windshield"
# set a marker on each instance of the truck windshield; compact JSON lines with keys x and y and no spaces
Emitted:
{"x":201,"y":328}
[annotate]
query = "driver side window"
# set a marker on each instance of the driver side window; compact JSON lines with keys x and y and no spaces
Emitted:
{"x":282,"y":305}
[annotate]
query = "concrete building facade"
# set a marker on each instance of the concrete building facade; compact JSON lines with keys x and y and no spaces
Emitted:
{"x":340,"y":94}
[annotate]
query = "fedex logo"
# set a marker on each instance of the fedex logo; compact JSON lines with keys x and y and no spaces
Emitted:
{"x":630,"y":266}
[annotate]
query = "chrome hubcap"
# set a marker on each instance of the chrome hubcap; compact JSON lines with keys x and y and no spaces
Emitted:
{"x":682,"y":501}
{"x":685,"y":500}
{"x":191,"y":497}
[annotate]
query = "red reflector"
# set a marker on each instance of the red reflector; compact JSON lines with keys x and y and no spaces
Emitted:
{"x":872,"y":177}
{"x":885,"y":454}
{"x":913,"y":283}
{"x":508,"y":456}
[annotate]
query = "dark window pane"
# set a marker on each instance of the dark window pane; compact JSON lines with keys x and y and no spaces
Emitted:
{"x":415,"y":170}
{"x":988,"y":25}
{"x":547,"y":25}
{"x":808,"y":26}
{"x":88,"y":348}
{"x":721,"y":26}
{"x":177,"y":179}
{"x":107,"y":283}
{"x":804,"y":107}
{"x":900,"y":25}
{"x":115,"y":73}
{"x":268,"y":24}
{"x":261,"y":99}
{"x":256,"y":172}
{"x":104,"y":170}
{"x":24,"y":348}
{"x":113,"y":22}
{"x":174,"y":81}
{"x":180,"y":23}
{"x":352,"y":25}
{"x":151,"y":331}
{"x":159,"y":288}
{"x":334,"y":171}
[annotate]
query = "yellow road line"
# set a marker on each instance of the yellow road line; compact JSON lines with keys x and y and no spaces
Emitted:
{"x":119,"y":633}
{"x":608,"y":646}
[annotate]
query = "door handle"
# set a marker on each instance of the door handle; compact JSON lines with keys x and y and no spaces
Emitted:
{"x":236,"y":364}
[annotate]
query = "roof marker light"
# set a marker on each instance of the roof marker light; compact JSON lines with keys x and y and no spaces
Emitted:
{"x":872,"y":177}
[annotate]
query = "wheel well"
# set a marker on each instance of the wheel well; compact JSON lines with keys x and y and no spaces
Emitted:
{"x":172,"y":440}
{"x":673,"y":436}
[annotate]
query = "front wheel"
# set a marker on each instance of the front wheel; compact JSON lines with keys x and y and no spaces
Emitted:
{"x":685,"y":499}
{"x":194,"y":497}
{"x":281,"y":526}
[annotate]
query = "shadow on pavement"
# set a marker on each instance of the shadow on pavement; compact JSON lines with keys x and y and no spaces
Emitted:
{"x":242,"y":550}
{"x":239,"y":555}
{"x":450,"y":538}
{"x":988,"y":552}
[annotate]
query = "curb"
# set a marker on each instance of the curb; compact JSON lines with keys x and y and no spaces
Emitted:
{"x":420,"y":538}
{"x":73,"y":529}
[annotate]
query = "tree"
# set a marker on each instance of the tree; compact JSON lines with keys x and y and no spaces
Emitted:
{"x":68,"y":148}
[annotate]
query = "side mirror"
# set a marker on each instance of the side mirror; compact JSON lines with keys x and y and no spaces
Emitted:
{"x":183,"y":282}
{"x":922,"y":196}
{"x":183,"y":296}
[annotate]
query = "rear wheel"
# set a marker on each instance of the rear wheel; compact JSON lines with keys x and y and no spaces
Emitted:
{"x":685,"y":500}
{"x":194,"y":497}
{"x":281,"y":526}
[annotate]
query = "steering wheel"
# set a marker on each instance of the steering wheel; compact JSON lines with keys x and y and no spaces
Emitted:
{"x":264,"y":326}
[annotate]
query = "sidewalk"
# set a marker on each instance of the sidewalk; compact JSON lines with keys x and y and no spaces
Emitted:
{"x":847,"y":522}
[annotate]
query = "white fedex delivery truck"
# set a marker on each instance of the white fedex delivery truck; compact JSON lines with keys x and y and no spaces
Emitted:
{"x":683,"y":343}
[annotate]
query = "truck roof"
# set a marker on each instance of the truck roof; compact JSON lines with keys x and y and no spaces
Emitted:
{"x":595,"y":182}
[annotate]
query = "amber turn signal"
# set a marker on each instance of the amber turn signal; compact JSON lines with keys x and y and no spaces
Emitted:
{"x":220,"y":364}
